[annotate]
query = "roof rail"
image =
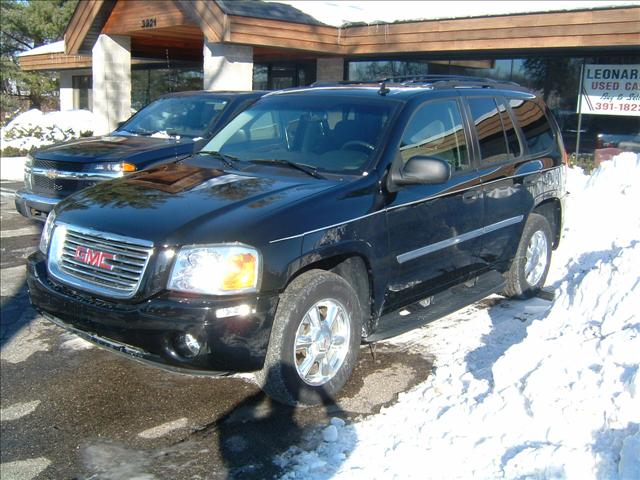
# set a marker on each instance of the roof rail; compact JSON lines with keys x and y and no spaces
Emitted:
{"x":450,"y":80}
{"x":442,"y":81}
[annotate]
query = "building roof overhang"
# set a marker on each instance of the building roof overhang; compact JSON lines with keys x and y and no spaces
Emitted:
{"x":184,"y":24}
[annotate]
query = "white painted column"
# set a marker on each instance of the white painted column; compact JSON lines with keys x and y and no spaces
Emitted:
{"x":227,"y":67}
{"x":111,"y":82}
{"x":66,"y":90}
{"x":330,"y":69}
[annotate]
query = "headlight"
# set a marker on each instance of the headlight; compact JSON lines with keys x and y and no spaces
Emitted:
{"x":120,"y":167}
{"x":216,"y":270}
{"x":45,"y":238}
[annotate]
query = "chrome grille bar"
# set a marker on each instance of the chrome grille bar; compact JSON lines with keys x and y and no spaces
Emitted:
{"x":107,"y":264}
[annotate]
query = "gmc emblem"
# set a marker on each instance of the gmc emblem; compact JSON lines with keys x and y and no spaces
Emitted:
{"x":95,"y":258}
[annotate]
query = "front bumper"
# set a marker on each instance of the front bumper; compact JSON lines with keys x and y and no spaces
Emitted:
{"x":34,"y":206}
{"x":150,"y":330}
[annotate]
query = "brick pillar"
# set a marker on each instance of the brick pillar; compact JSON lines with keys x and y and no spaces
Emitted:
{"x":111,"y":82}
{"x":227,"y":67}
{"x":330,"y":69}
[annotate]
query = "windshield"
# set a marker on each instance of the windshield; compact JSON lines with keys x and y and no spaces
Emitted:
{"x":176,"y":116}
{"x":331,"y":133}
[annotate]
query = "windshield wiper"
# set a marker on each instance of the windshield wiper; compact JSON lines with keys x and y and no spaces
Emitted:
{"x":227,"y":159}
{"x":308,"y":169}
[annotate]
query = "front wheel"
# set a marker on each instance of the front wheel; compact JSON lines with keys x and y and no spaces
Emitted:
{"x":314,"y":340}
{"x":530,"y":266}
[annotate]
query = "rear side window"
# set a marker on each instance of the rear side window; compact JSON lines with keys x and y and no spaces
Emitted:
{"x":436,"y":130}
{"x":510,"y":130}
{"x":491,"y":135}
{"x":534,"y":124}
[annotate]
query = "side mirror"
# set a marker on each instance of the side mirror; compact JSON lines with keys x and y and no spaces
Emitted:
{"x":422,"y":170}
{"x":120,"y":124}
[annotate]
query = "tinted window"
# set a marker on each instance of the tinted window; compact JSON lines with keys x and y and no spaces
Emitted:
{"x":534,"y":124}
{"x":493,"y":145}
{"x":333,"y":133}
{"x":510,"y":130}
{"x":176,"y":116}
{"x":436,"y":130}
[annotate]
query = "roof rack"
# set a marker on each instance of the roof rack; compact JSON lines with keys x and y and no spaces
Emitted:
{"x":450,"y":80}
{"x":434,"y":81}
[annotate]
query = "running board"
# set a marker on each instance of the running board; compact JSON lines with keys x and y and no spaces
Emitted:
{"x":441,"y":304}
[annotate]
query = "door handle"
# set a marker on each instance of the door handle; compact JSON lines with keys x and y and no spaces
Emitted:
{"x":470,"y":196}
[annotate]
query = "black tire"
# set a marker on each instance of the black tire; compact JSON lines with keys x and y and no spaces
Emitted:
{"x":517,"y":284}
{"x":279,"y":377}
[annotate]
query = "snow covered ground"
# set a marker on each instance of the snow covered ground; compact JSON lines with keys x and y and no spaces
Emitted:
{"x":34,"y":129}
{"x":521,"y":389}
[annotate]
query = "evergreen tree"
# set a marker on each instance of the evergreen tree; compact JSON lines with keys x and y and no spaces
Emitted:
{"x":25,"y":24}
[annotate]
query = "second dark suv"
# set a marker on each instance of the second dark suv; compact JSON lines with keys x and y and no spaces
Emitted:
{"x":317,"y":219}
{"x":173,"y":126}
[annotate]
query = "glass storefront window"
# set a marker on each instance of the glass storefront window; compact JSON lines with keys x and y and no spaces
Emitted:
{"x":82,"y":91}
{"x":555,"y":78}
{"x":149,"y":83}
{"x":279,"y":75}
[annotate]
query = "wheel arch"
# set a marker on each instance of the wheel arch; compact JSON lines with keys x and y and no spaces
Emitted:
{"x":349,"y":262}
{"x":551,"y":210}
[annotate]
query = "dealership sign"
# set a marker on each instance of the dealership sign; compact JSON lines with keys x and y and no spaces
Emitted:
{"x":610,"y":90}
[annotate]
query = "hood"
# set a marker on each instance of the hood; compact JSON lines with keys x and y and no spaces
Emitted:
{"x":113,"y":148}
{"x":180,"y":204}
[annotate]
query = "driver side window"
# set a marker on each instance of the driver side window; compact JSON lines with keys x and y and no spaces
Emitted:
{"x":436,"y":130}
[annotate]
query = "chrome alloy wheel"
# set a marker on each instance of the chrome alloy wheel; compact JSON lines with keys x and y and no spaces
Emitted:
{"x":536,"y":258}
{"x":322,"y":342}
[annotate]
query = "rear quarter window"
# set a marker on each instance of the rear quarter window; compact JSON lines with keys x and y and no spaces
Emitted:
{"x":537,"y":130}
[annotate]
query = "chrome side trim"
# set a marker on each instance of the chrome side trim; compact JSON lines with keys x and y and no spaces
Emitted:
{"x":415,"y":202}
{"x":64,"y":174}
{"x":326,"y":228}
{"x":434,"y":247}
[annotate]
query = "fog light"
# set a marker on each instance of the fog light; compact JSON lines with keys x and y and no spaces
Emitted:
{"x":187,"y":345}
{"x":238,"y":311}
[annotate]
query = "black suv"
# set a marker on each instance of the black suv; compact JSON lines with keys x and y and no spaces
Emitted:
{"x":317,"y":219}
{"x":170,"y":127}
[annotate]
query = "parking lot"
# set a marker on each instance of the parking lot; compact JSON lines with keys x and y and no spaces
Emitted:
{"x":71,"y":410}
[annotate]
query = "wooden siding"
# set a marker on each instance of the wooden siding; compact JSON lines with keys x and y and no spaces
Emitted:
{"x":81,"y":22}
{"x":183,"y":24}
{"x":54,"y":61}
{"x":595,"y":28}
{"x":126,"y":18}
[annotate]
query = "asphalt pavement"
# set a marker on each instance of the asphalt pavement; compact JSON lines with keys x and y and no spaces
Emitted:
{"x":70,"y":410}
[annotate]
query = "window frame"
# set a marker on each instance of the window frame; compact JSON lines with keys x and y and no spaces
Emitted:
{"x":465,"y":127}
{"x":526,"y":154}
{"x":476,"y":139}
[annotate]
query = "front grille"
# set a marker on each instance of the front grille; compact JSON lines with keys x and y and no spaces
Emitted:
{"x":55,"y":165}
{"x":57,"y":186}
{"x":121,"y":272}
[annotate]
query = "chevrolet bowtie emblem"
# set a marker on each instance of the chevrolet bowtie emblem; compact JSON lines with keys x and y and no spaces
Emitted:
{"x":51,"y":174}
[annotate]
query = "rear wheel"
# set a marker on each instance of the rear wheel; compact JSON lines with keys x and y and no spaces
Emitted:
{"x":530,"y":266}
{"x":314,"y":340}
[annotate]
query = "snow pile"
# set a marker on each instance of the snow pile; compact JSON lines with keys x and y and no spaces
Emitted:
{"x":34,"y":129}
{"x":523,"y":389}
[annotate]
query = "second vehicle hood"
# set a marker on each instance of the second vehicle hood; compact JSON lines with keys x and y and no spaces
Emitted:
{"x":178,"y":204}
{"x":112,"y":148}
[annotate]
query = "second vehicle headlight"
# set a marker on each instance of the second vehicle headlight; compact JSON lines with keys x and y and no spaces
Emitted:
{"x":115,"y":168}
{"x":216,"y":270}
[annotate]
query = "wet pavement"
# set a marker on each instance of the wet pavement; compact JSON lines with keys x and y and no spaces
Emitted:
{"x":74,"y":411}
